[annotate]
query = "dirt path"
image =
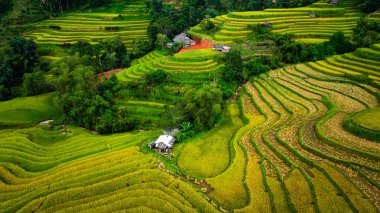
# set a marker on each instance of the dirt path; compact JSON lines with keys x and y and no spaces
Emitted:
{"x":109,"y":73}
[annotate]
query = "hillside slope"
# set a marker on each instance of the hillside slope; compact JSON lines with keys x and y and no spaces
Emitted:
{"x":129,"y":21}
{"x":328,"y":19}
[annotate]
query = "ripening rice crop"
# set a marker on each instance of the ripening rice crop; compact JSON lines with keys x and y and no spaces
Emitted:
{"x":328,"y":19}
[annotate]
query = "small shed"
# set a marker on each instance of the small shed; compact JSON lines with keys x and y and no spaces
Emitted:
{"x":222,"y":48}
{"x":334,"y":2}
{"x":226,"y":49}
{"x":163,"y":143}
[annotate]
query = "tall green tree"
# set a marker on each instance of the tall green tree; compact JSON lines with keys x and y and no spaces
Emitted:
{"x":340,"y":43}
{"x":233,"y":68}
{"x":203,"y":106}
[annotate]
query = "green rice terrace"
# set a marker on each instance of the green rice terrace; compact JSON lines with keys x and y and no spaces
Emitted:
{"x":303,"y":137}
{"x":129,"y":21}
{"x":280,"y":147}
{"x":307,"y":28}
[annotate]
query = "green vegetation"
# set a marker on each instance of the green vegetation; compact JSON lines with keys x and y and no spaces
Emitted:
{"x":93,"y":26}
{"x":26,"y":111}
{"x":87,"y":171}
{"x":364,"y":124}
{"x":368,"y":119}
{"x":298,"y":21}
{"x":208,"y":154}
{"x":257,"y":132}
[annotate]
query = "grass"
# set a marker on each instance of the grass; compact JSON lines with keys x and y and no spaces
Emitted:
{"x":29,"y":110}
{"x":207,"y":155}
{"x":368,"y":119}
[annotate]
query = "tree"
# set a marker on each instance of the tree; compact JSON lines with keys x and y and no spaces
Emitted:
{"x":233,"y":68}
{"x":161,"y":42}
{"x":5,"y":5}
{"x":206,"y":24}
{"x":156,"y":77}
{"x":255,"y":67}
{"x":366,"y":33}
{"x":83,"y":48}
{"x":24,"y":55}
{"x":141,"y":47}
{"x":203,"y":106}
{"x":369,"y":6}
{"x":35,"y":83}
{"x":18,"y":57}
{"x":86,"y":101}
{"x":340,"y":43}
{"x":115,"y":54}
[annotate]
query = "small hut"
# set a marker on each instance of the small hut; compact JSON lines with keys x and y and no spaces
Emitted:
{"x":222,"y":48}
{"x":164,"y":143}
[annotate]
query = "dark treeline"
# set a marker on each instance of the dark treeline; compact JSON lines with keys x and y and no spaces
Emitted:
{"x":369,"y":6}
{"x":36,"y":10}
{"x":55,"y":6}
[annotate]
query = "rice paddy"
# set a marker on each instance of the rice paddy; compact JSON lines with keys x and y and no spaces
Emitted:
{"x":294,"y":143}
{"x":303,"y":138}
{"x":298,"y":21}
{"x":92,"y":26}
{"x":83,"y":171}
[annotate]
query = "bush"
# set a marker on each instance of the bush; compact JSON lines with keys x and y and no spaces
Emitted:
{"x":156,"y":77}
{"x":35,"y":83}
{"x":233,"y":69}
{"x":206,"y":24}
{"x":255,"y":67}
{"x":176,"y":47}
{"x":54,"y":27}
{"x":112,"y":28}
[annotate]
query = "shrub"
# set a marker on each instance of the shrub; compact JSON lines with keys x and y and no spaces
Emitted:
{"x":54,"y":27}
{"x":112,"y":28}
{"x":156,"y":77}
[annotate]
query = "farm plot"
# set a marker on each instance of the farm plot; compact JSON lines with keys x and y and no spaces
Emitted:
{"x":362,"y":65}
{"x":298,"y":21}
{"x":93,"y":26}
{"x":298,"y":154}
{"x":45,"y":171}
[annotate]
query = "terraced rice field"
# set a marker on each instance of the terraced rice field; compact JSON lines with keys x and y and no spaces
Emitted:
{"x":329,"y":19}
{"x":45,"y":171}
{"x":292,"y":152}
{"x":194,"y":62}
{"x":90,"y":26}
{"x":362,"y":64}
